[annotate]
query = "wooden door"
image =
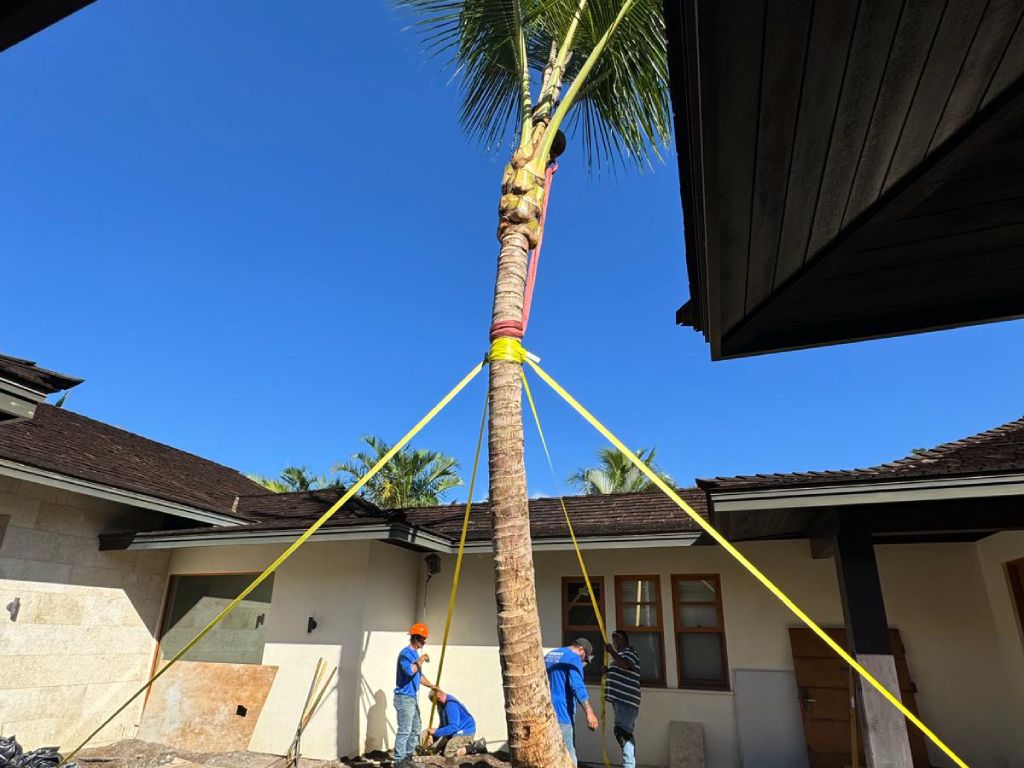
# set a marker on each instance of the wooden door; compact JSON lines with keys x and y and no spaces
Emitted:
{"x":824,"y":687}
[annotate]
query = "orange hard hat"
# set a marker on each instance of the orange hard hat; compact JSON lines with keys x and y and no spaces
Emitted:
{"x":420,"y":629}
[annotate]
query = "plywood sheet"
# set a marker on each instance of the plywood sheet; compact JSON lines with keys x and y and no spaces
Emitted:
{"x":206,"y":706}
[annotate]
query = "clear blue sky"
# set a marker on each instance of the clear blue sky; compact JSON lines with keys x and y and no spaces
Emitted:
{"x":257,"y":232}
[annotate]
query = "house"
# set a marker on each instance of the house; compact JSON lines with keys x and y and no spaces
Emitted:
{"x":78,"y":625}
{"x":944,"y":565}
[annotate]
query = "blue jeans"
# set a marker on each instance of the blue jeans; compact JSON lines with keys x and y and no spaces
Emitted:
{"x":569,"y":737}
{"x":625,"y":722}
{"x":408,"y":736}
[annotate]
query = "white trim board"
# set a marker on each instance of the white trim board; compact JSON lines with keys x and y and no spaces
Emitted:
{"x":878,"y":492}
{"x":49,"y":479}
{"x":400,"y":533}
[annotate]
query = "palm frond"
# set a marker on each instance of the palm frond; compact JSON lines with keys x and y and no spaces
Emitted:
{"x":620,"y":110}
{"x":413,"y":477}
{"x":616,"y":474}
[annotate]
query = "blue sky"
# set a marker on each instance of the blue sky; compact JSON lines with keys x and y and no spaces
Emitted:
{"x":257,"y":232}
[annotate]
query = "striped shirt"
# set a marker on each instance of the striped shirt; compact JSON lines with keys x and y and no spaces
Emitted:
{"x":623,"y":685}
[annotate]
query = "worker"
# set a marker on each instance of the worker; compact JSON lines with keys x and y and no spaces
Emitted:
{"x":454,"y":735}
{"x":622,"y":691}
{"x":407,"y":688}
{"x":565,"y":675}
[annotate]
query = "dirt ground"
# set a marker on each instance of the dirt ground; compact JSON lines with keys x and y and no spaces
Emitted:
{"x":133,"y":753}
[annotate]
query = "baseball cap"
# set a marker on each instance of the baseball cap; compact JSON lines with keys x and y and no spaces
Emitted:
{"x":587,"y":646}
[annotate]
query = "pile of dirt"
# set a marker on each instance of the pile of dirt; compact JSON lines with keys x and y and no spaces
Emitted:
{"x":133,"y":753}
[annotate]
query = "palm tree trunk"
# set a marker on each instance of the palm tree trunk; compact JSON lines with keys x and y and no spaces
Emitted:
{"x":534,"y":738}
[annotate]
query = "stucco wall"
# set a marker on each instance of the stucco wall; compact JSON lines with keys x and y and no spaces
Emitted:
{"x":84,"y":637}
{"x":936,"y":596}
{"x":950,"y":602}
{"x":362,"y":595}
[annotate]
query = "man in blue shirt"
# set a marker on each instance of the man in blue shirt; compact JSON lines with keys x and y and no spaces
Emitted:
{"x":565,"y":675}
{"x":407,"y":688}
{"x":454,"y":735}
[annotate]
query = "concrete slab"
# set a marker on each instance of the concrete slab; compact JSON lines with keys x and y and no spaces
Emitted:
{"x":685,"y":745}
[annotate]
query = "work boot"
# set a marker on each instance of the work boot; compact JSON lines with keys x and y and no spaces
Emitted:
{"x":478,"y":747}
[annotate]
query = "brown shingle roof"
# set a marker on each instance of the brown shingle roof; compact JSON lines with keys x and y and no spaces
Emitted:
{"x":995,"y":451}
{"x":625,"y":514}
{"x":301,"y":505}
{"x":69,"y":444}
{"x":598,"y":515}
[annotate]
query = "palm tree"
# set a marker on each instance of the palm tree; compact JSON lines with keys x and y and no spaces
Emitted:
{"x":294,"y":479}
{"x":413,"y":478}
{"x":512,"y":59}
{"x":616,"y":474}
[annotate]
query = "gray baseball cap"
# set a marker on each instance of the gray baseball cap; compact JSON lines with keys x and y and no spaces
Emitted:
{"x":587,"y":646}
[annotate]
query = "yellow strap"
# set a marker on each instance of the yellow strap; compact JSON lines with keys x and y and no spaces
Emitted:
{"x":507,"y":348}
{"x":753,"y":569}
{"x":579,"y":556}
{"x":351,"y":492}
{"x":458,"y":565}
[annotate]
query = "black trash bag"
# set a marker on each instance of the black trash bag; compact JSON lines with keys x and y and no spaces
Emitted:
{"x":45,"y":757}
{"x":9,"y":749}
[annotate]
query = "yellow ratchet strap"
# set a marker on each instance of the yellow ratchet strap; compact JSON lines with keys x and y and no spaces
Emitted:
{"x":458,"y":565}
{"x":742,"y":560}
{"x":351,"y":492}
{"x":507,"y":348}
{"x":583,"y":565}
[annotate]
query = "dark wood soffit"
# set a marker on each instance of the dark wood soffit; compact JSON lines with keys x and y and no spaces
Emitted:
{"x":797,"y":123}
{"x":896,"y":270}
{"x":20,"y":19}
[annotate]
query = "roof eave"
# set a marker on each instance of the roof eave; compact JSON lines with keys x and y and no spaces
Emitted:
{"x":865,"y":492}
{"x":401,"y":534}
{"x":62,"y":482}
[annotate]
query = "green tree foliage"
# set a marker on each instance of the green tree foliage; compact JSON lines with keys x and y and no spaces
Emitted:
{"x":615,"y":473}
{"x":413,"y":478}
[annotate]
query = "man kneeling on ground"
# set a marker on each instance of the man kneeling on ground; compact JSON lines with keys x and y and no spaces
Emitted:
{"x":454,"y":736}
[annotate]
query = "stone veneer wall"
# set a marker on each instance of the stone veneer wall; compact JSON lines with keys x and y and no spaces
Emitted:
{"x":84,"y":638}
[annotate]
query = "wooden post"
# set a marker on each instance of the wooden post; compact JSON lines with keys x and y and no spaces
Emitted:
{"x":883,"y":728}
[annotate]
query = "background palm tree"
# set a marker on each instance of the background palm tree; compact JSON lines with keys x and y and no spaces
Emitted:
{"x":294,"y":479}
{"x":413,"y":478}
{"x":511,"y":59}
{"x":616,"y":474}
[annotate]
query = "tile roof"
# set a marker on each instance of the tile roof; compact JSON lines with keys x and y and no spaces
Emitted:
{"x":600,"y":515}
{"x":994,"y":451}
{"x":58,"y":440}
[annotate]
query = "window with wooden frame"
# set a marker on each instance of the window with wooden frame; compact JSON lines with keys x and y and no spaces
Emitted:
{"x":700,"y":631}
{"x":579,"y":619}
{"x":1015,"y":572}
{"x":638,"y":613}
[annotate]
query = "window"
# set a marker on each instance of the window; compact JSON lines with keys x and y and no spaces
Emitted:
{"x":579,"y":620}
{"x":1015,"y":571}
{"x":638,"y":613}
{"x":700,"y":632}
{"x":194,"y":600}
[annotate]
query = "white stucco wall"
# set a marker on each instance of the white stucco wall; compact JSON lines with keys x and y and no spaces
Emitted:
{"x":949,"y":601}
{"x":362,"y":595}
{"x":85,"y":635}
{"x":936,"y":595}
